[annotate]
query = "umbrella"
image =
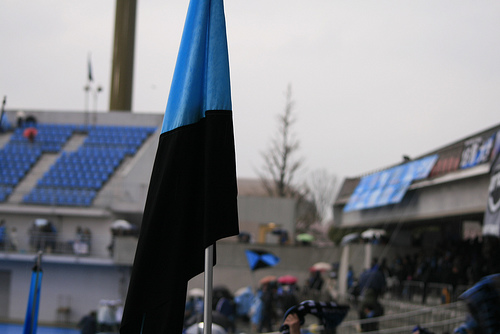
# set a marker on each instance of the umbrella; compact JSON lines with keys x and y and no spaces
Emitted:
{"x":287,"y":279}
{"x":348,"y":238}
{"x":221,"y":291}
{"x":121,"y":224}
{"x":373,"y":233}
{"x":305,"y":237}
{"x":258,"y":259}
{"x":196,"y":293}
{"x":267,"y":279}
{"x":321,"y":266}
{"x":330,"y":314}
{"x":31,"y":319}
{"x":198,"y":328}
{"x":373,"y":279}
{"x":41,"y":222}
{"x":30,"y":133}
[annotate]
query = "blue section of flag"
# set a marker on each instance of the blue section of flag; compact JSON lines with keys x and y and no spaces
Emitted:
{"x":201,"y":77}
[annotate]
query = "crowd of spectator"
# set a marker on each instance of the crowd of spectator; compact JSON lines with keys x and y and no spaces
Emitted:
{"x":460,"y":262}
{"x":454,"y":264}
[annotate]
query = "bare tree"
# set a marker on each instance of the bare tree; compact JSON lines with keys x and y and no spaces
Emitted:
{"x":321,"y":187}
{"x":280,"y":161}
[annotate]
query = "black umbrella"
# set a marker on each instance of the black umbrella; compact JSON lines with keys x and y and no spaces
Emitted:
{"x":258,"y":259}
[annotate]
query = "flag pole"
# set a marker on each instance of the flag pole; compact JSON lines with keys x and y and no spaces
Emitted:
{"x":207,"y":309}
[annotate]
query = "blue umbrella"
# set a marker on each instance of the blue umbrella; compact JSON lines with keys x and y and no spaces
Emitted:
{"x":31,"y":319}
{"x":258,"y":259}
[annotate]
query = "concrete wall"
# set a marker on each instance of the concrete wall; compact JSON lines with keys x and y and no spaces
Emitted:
{"x":101,"y":118}
{"x":80,"y":283}
{"x":232,"y":267}
{"x":76,"y":286}
{"x":255,"y":212}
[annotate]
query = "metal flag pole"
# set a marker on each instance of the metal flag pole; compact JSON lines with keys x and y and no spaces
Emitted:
{"x":207,"y":309}
{"x":3,"y":111}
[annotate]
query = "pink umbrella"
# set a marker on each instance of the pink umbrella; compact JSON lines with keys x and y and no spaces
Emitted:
{"x":287,"y":279}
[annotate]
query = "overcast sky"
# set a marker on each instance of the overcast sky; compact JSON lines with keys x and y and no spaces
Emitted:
{"x":371,"y":80}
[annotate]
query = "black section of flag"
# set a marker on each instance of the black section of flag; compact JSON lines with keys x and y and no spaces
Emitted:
{"x":191,"y":203}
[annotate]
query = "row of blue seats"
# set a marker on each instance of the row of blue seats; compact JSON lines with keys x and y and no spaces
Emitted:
{"x":126,"y":141}
{"x":103,"y":175}
{"x":63,"y":169}
{"x":12,"y":171}
{"x":114,"y":129}
{"x":20,"y":149}
{"x":66,"y":197}
{"x":5,"y":192}
{"x":93,"y":153}
{"x":9,"y":165}
{"x":127,"y":149}
{"x":135,"y":133}
{"x":93,"y":183}
{"x":79,"y":163}
{"x":14,"y":158}
{"x":10,"y":180}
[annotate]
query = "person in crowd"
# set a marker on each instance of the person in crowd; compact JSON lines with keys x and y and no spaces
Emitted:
{"x":226,"y":307}
{"x":3,"y":234}
{"x":372,"y":284}
{"x":13,"y":239}
{"x":255,"y":312}
{"x":315,"y":283}
{"x":20,"y":118}
{"x":286,"y":298}
{"x":350,"y":277}
{"x":88,"y":324}
{"x":193,"y":309}
{"x":293,"y":323}
{"x":106,"y":317}
{"x":268,"y":298}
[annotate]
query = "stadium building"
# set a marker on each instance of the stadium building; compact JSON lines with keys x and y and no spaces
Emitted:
{"x":74,"y":185}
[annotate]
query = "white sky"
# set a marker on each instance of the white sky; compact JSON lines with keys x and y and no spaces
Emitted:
{"x":371,"y":80}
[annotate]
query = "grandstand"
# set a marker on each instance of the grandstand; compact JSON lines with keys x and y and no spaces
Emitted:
{"x":77,"y":173}
{"x":78,"y":158}
{"x":76,"y":177}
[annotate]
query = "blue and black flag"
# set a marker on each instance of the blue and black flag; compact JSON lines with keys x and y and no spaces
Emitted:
{"x":192,"y":197}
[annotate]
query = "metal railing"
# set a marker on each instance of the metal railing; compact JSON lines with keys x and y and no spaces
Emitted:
{"x":402,"y":317}
{"x":431,"y":293}
{"x":58,"y":243}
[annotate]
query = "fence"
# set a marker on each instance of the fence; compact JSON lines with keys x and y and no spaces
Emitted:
{"x":401,"y":317}
{"x":431,"y":293}
{"x":58,"y":243}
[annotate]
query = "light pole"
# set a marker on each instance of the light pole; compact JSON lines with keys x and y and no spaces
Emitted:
{"x":86,"y":102}
{"x":96,"y":95}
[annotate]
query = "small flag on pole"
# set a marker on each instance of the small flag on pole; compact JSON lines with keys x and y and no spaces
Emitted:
{"x":192,"y":197}
{"x":31,"y":319}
